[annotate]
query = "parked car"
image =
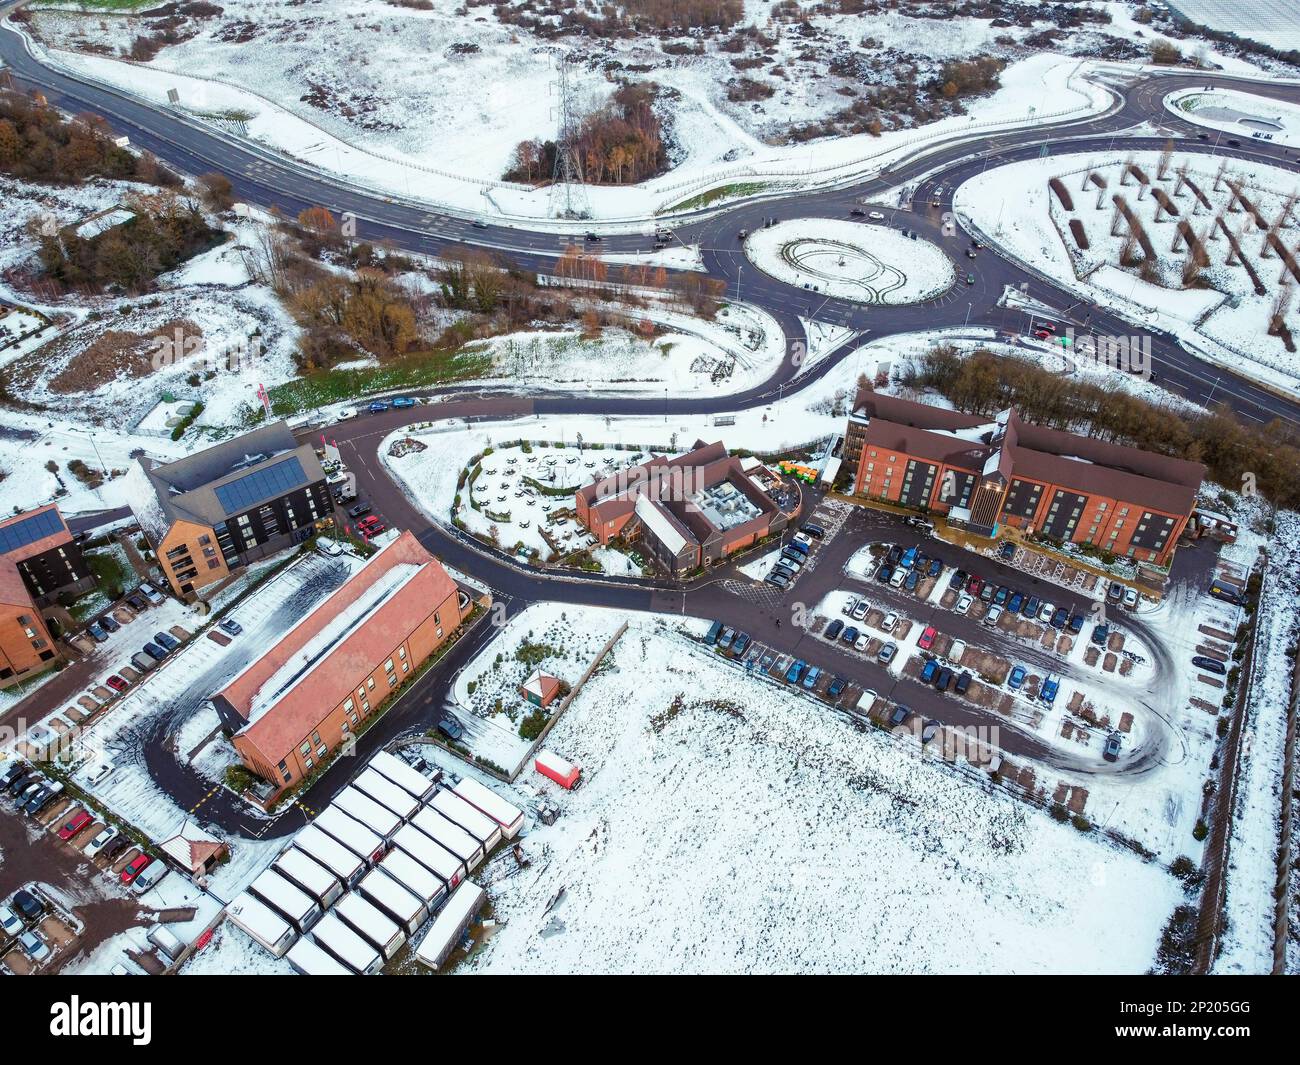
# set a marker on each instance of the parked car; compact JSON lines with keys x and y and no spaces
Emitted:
{"x":377,"y":407}
{"x":1130,"y":598}
{"x":1225,"y":594}
{"x":850,"y":634}
{"x":102,"y":839}
{"x":22,"y":782}
{"x":927,"y":638}
{"x":811,"y":677}
{"x":860,"y":611}
{"x":230,"y":626}
{"x":41,"y":798}
{"x":1016,"y":601}
{"x":886,"y":654}
{"x":964,"y":603}
{"x":885,"y":573}
{"x":450,"y":728}
{"x":1007,"y":551}
{"x":912,"y":580}
{"x":936,"y":567}
{"x":115,"y":849}
{"x":987,"y":592}
{"x":891,"y":620}
{"x":1050,"y":687}
{"x":135,"y":867}
{"x":1100,"y":634}
{"x":148,"y":879}
{"x":29,"y":907}
{"x":778,"y":579}
{"x":167,"y":640}
{"x":1030,"y":609}
{"x":10,"y":925}
{"x":795,"y":671}
{"x":836,"y":687}
{"x":152,"y":594}
{"x":866,"y":701}
{"x":944,"y":680}
{"x":813,"y":530}
{"x":344,"y":413}
{"x":400,"y":402}
{"x":850,"y":605}
{"x":1059,"y":617}
{"x":118,"y":684}
{"x":724,"y":641}
{"x":991,"y":618}
{"x":974,"y":584}
{"x":957,"y":580}
{"x":154,"y":651}
{"x":1075,"y":624}
{"x":929,"y":670}
{"x":110,"y":623}
{"x":792,"y":559}
{"x":1113,"y":743}
{"x":862,"y":642}
{"x":898,"y":577}
{"x":97,"y":632}
{"x":834,"y":629}
{"x":34,"y":946}
{"x":1210,"y":665}
{"x":74,"y":824}
{"x":1045,"y":612}
{"x":898,"y":716}
{"x":1115,"y":592}
{"x":359,"y":510}
{"x":1001,"y":596}
{"x":1016,"y":678}
{"x":963,"y":682}
{"x":10,"y":772}
{"x":137,"y":602}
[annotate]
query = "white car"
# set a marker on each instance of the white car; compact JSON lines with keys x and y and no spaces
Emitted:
{"x":860,"y":644}
{"x":964,"y":603}
{"x":10,"y":923}
{"x":1045,"y":612}
{"x":102,"y":839}
{"x":802,"y":538}
{"x":875,"y":216}
{"x":866,"y":701}
{"x":152,"y":594}
{"x":991,"y":618}
{"x":957,"y":649}
{"x":900,"y":575}
{"x":850,"y":606}
{"x":890,"y":621}
{"x":34,"y":946}
{"x":347,"y":412}
{"x":1130,"y":598}
{"x":860,"y":611}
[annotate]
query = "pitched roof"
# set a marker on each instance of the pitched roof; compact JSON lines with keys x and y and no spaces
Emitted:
{"x":226,"y":479}
{"x":13,"y":592}
{"x":287,"y":692}
{"x":192,"y":847}
{"x":543,"y":685}
{"x":33,"y":532}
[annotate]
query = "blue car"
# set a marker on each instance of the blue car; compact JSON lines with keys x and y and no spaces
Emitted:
{"x":795,"y":671}
{"x":167,"y":640}
{"x":838,"y":684}
{"x":1017,"y":678}
{"x":912,"y":578}
{"x":1031,"y":607}
{"x":927,"y":674}
{"x":850,"y":634}
{"x":810,"y":679}
{"x":1050,"y":688}
{"x":1059,"y":617}
{"x":1007,"y":551}
{"x":377,"y":407}
{"x":1100,"y":634}
{"x":740,"y":643}
{"x":155,"y":652}
{"x":1075,"y":624}
{"x":403,"y":401}
{"x":1001,"y":596}
{"x":97,"y":631}
{"x":1016,"y":601}
{"x":936,"y":567}
{"x":884,"y":573}
{"x":909,"y":558}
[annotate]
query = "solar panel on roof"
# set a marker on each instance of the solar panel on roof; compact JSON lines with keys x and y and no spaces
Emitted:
{"x":263,"y":484}
{"x":29,"y":530}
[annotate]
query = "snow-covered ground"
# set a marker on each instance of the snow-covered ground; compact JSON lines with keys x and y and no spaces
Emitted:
{"x":1239,"y":113}
{"x":789,"y":840}
{"x":1220,"y":317}
{"x":337,"y":87}
{"x":852,"y":261}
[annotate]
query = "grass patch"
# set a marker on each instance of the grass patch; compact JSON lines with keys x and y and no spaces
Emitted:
{"x":93,"y":5}
{"x":423,"y":370}
{"x":712,"y":196}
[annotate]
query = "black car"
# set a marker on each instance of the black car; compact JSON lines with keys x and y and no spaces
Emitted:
{"x":29,"y":907}
{"x":11,"y":772}
{"x":114,"y":850}
{"x":944,"y":680}
{"x":358,"y":510}
{"x":963,"y":682}
{"x":884,"y":573}
{"x":595,"y":238}
{"x":22,"y":782}
{"x":834,"y":629}
{"x":110,"y":623}
{"x":1210,"y":665}
{"x":899,"y":715}
{"x":38,"y":800}
{"x":154,"y":651}
{"x":450,"y":728}
{"x":857,"y":212}
{"x":837,"y":686}
{"x":1111,"y":752}
{"x":958,"y":580}
{"x":815,"y":531}
{"x":137,"y":602}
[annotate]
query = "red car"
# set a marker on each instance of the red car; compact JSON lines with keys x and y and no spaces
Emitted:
{"x":1043,"y":334}
{"x":927,"y":638}
{"x":974,"y":585}
{"x":374,"y":528}
{"x":138,"y":865}
{"x":118,"y":684}
{"x":75,"y":824}
{"x":1049,"y":327}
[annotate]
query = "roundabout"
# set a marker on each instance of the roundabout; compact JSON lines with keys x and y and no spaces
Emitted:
{"x":852,"y":261}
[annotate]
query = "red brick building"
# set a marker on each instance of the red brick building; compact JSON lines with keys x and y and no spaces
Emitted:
{"x":988,"y":473}
{"x":311,"y":691}
{"x":687,"y":512}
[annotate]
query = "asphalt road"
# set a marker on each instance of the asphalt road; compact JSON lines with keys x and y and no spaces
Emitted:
{"x":265,"y":178}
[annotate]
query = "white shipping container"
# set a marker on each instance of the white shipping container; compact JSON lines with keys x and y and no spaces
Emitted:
{"x":261,"y":923}
{"x":307,"y":873}
{"x":351,"y":833}
{"x":308,"y":959}
{"x":413,"y":876}
{"x":287,"y":899}
{"x":393,"y":900}
{"x":331,"y":853}
{"x":451,"y":837}
{"x":450,"y":925}
{"x":357,"y":804}
{"x":386,"y":793}
{"x":371,"y":924}
{"x":430,"y":854}
{"x":403,"y":775}
{"x":505,"y":814}
{"x":473,"y":821}
{"x":346,"y":946}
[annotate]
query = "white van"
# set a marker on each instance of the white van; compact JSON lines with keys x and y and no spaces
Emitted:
{"x":866,"y":701}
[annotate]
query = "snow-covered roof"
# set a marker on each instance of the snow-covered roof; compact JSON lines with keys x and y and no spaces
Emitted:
{"x":664,"y":529}
{"x":142,"y":497}
{"x":191,"y":847}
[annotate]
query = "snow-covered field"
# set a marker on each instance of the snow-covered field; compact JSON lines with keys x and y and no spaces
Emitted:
{"x":864,"y":263}
{"x":1240,"y":113}
{"x":344,"y":87}
{"x":730,"y":825}
{"x":1217,"y":314}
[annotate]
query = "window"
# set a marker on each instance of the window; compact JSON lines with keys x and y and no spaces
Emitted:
{"x":305,"y":748}
{"x":401,"y":651}
{"x":389,"y":665}
{"x":283,"y":765}
{"x":349,"y":706}
{"x":370,"y":683}
{"x":407,"y":665}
